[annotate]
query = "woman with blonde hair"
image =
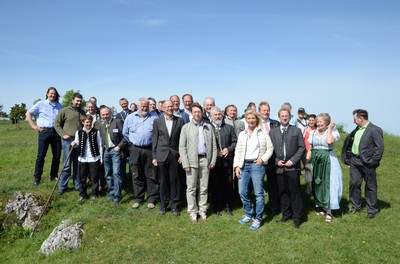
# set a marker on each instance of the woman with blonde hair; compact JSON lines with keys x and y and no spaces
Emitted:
{"x":253,"y":149}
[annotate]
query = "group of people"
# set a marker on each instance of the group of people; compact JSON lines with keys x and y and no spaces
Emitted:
{"x":204,"y":154}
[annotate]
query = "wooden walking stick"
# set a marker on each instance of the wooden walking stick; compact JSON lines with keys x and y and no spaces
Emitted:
{"x":51,"y":194}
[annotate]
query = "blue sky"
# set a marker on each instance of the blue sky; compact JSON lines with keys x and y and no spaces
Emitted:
{"x":325,"y":56}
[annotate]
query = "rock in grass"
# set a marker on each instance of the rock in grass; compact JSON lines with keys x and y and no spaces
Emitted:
{"x":64,"y":236}
{"x":27,"y":208}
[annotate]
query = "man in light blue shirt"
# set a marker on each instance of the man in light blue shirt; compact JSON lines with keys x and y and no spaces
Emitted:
{"x":45,"y":112}
{"x":138,"y":131}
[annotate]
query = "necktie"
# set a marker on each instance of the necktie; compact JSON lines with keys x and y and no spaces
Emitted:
{"x":266,"y":127}
{"x":218,"y":137}
{"x":283,"y":143}
{"x":107,"y":135}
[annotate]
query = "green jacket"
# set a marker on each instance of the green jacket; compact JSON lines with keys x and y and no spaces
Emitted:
{"x":68,"y":121}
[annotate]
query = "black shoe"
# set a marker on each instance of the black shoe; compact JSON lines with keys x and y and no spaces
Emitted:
{"x":352,"y":211}
{"x":162,"y":211}
{"x":219,"y":213}
{"x":175,"y":212}
{"x":228,"y":211}
{"x":370,"y":216}
{"x":297,"y":224}
{"x":36,"y":183}
{"x":81,"y":200}
{"x":282,"y":220}
{"x":53,"y":178}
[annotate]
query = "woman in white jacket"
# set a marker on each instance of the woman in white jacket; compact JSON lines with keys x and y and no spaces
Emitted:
{"x":253,"y":149}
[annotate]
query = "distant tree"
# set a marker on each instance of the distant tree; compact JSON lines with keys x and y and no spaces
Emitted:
{"x":340,"y":127}
{"x":17,"y":113}
{"x":67,"y":99}
{"x":37,"y":100}
{"x":2,"y":114}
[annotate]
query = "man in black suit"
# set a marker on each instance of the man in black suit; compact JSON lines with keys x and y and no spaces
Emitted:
{"x":363,"y":150}
{"x":272,"y":183}
{"x":289,"y":148}
{"x":221,"y":175}
{"x":165,"y":149}
{"x":113,"y":143}
{"x":123,"y":102}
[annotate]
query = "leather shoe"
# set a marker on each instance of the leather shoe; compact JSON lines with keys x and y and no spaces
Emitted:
{"x":219,"y":213}
{"x":175,"y":212}
{"x":297,"y":225}
{"x":36,"y":183}
{"x":370,"y":216}
{"x":161,"y":212}
{"x":282,"y":220}
{"x":352,"y":211}
{"x":228,"y":211}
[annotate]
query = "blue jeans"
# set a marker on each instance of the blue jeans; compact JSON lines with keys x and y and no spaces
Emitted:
{"x":255,"y":173}
{"x":112,"y":168}
{"x":66,"y":172}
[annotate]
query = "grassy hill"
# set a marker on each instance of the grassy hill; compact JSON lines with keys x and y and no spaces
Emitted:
{"x":123,"y":235}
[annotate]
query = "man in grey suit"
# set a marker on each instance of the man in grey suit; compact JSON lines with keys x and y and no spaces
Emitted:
{"x":165,"y":149}
{"x":363,"y":150}
{"x":113,"y":143}
{"x":289,"y":148}
{"x":198,"y":151}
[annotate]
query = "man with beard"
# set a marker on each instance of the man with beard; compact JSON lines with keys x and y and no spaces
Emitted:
{"x":138,"y":131}
{"x":220,"y":183}
{"x":67,"y":122}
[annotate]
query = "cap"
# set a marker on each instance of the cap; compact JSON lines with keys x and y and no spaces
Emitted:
{"x":301,"y":110}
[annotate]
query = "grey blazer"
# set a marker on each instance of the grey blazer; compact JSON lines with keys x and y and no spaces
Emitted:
{"x":294,"y":143}
{"x":115,"y":132}
{"x":188,"y":145}
{"x":163,"y":144}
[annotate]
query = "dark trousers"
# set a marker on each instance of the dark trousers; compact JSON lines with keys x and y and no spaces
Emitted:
{"x":143,"y":177}
{"x":358,"y":173}
{"x":290,"y":195}
{"x":272,"y":188}
{"x":170,"y":183}
{"x":220,"y":185}
{"x":46,"y":138}
{"x":86,"y":169}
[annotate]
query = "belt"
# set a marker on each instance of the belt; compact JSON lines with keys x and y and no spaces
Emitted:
{"x":202,"y":155}
{"x":249,"y":160}
{"x":142,"y":147}
{"x":47,"y":128}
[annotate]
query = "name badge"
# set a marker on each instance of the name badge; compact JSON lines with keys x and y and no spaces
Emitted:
{"x":115,"y":130}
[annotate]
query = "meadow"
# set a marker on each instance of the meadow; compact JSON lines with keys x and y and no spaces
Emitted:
{"x":120,"y":234}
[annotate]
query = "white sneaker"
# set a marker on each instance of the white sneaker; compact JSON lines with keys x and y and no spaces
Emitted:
{"x":193,"y":218}
{"x":203,"y":216}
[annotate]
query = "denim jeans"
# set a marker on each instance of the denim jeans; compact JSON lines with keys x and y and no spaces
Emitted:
{"x":66,"y":172}
{"x":112,"y":168}
{"x":46,"y":138}
{"x":255,"y":173}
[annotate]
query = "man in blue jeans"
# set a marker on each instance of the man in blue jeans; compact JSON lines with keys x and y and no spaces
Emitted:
{"x":67,"y":122}
{"x":45,"y":113}
{"x":114,"y":143}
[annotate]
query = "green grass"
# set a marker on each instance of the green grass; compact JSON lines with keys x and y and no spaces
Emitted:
{"x":123,"y":235}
